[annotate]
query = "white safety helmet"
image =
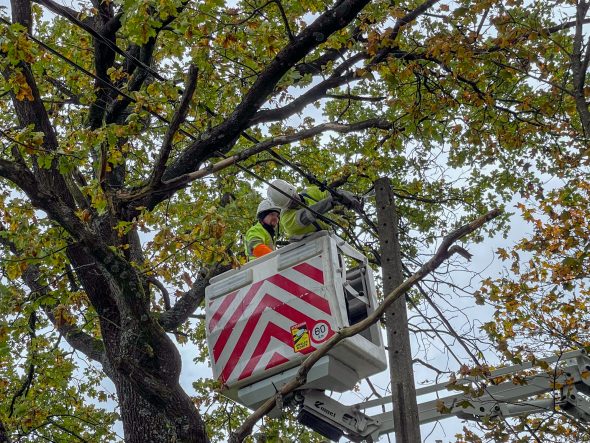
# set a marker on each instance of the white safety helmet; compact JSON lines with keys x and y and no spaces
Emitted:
{"x":266,"y":206}
{"x":280,"y":192}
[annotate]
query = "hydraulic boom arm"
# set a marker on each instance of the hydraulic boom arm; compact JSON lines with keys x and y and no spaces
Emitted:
{"x":566,"y":380}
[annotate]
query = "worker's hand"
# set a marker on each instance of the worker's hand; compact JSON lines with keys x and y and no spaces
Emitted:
{"x":349,"y":200}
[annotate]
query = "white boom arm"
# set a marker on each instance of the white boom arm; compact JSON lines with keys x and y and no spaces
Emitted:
{"x":566,"y":378}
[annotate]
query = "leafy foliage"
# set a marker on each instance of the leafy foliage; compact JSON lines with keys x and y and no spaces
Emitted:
{"x":112,"y":115}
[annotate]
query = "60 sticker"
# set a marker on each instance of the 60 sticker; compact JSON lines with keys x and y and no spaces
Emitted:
{"x":321,"y":331}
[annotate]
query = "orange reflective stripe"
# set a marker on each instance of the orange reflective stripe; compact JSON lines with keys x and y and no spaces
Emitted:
{"x":261,"y":250}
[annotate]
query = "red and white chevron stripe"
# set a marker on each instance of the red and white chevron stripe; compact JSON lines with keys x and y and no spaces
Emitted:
{"x":250,"y":329}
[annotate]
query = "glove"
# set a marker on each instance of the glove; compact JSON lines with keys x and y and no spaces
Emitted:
{"x":349,"y":200}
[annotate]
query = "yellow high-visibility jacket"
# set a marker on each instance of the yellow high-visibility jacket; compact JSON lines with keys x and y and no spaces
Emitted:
{"x":300,"y":221}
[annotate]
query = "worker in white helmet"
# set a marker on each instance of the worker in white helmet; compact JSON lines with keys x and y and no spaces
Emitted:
{"x":296,"y":221}
{"x":260,"y":238}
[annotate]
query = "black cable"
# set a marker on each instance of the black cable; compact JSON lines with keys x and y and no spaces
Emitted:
{"x":299,"y":202}
{"x":322,"y":185}
{"x":311,"y":178}
{"x":73,"y":63}
{"x":110,"y":44}
{"x":163,"y":119}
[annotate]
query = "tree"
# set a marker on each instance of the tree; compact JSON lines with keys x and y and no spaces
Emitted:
{"x":112,"y":115}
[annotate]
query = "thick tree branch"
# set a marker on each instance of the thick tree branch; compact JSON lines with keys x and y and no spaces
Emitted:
{"x":399,"y":24}
{"x":177,"y":120}
{"x":183,"y":180}
{"x":61,"y":10}
{"x":223,"y":136}
{"x":3,"y":434}
{"x":186,"y":305}
{"x":297,"y":105}
{"x":140,"y":67}
{"x":105,"y":50}
{"x":33,"y":112}
{"x":445,"y":251}
{"x":579,"y":68}
{"x":109,"y":27}
{"x":316,"y":66}
{"x":82,"y":342}
{"x":337,"y":78}
{"x":42,"y":198}
{"x":165,"y":295}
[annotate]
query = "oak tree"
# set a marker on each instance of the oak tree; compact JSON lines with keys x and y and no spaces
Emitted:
{"x":135,"y":134}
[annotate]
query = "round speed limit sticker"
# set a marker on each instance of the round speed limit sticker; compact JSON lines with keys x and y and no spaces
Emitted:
{"x":320,"y":331}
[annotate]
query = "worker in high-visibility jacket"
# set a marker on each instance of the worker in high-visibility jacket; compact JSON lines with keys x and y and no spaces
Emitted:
{"x":260,"y":238}
{"x":296,"y":221}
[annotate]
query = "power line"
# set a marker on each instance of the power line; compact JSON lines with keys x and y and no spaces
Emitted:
{"x":165,"y":120}
{"x":108,"y":42}
{"x":310,"y":177}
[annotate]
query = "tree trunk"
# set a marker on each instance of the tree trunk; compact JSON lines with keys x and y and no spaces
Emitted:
{"x":140,"y":359}
{"x":144,"y":422}
{"x":154,"y":407}
{"x":3,"y":434}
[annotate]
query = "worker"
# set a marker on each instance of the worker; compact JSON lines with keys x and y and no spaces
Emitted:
{"x":297,"y":222}
{"x":260,"y":238}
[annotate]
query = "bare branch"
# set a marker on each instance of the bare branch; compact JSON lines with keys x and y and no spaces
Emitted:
{"x":355,"y":97}
{"x":445,"y":251}
{"x":448,"y":325}
{"x":285,"y":20}
{"x":429,"y":366}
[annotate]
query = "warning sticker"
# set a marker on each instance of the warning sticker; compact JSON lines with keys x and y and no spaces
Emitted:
{"x":300,"y":336}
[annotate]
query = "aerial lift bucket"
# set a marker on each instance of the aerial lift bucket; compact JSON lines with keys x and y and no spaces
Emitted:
{"x":265,"y":317}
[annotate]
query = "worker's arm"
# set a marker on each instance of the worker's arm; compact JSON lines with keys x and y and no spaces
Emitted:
{"x":260,"y":250}
{"x":256,"y":246}
{"x":307,"y":217}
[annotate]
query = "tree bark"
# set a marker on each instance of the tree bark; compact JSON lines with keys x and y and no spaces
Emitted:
{"x":141,"y":360}
{"x":145,"y":421}
{"x":3,"y":434}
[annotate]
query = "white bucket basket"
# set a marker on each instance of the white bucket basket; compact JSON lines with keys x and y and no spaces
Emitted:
{"x":263,"y":318}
